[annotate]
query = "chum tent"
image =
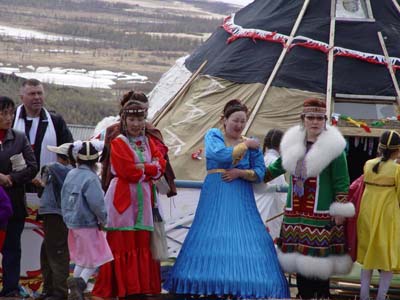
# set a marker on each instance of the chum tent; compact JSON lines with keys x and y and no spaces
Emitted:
{"x":272,"y":54}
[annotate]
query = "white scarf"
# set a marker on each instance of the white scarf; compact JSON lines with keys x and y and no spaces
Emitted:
{"x":50,"y":137}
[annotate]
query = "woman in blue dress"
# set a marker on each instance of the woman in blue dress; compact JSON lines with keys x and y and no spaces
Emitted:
{"x":228,"y":251}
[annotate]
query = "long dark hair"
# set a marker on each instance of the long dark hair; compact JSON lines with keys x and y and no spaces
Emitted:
{"x":6,"y":103}
{"x":273,"y":139}
{"x":389,"y":143}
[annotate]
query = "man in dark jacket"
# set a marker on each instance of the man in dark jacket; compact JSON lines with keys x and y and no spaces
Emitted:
{"x":43,"y":128}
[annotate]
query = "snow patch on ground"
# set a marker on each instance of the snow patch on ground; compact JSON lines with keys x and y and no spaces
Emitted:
{"x":103,"y":79}
{"x":22,"y":34}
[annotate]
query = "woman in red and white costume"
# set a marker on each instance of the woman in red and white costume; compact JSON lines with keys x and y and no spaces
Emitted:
{"x":135,"y":163}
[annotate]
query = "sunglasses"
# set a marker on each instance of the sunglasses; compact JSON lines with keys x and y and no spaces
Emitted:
{"x":313,"y":118}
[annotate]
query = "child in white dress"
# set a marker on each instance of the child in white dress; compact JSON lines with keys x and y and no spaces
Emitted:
{"x":84,"y":213}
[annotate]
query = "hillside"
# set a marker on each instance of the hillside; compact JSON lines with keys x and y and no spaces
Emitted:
{"x":123,"y":44}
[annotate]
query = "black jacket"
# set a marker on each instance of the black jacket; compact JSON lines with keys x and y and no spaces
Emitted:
{"x":15,"y":142}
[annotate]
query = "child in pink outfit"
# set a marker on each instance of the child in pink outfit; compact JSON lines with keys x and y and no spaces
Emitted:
{"x":84,"y":213}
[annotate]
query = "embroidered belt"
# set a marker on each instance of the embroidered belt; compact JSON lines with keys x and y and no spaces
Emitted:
{"x":213,"y":171}
{"x":377,"y":184}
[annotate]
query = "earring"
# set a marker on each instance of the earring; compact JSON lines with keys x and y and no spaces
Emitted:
{"x":302,"y":125}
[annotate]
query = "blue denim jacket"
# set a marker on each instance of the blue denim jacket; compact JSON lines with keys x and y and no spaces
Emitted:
{"x":82,"y":199}
{"x":54,"y":174}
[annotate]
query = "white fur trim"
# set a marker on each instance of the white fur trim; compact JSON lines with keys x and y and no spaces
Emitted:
{"x":292,"y":147}
{"x":315,"y":267}
{"x":342,"y":264}
{"x":288,"y":261}
{"x":346,"y":209}
{"x":329,"y":145}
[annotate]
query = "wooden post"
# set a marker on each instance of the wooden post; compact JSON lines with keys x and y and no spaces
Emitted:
{"x":390,"y":67}
{"x":274,"y":217}
{"x":277,"y":66}
{"x":166,"y":108}
{"x":329,"y":80}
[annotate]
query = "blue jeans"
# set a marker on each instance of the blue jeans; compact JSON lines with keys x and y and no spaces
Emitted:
{"x":12,"y":255}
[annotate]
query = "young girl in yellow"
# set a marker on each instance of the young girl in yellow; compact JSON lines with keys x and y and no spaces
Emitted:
{"x":378,"y":223}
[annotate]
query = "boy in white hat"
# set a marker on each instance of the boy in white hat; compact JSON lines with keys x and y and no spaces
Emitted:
{"x":54,"y":255}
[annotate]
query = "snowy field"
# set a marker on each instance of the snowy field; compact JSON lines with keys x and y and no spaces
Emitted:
{"x":22,"y":34}
{"x":103,"y":79}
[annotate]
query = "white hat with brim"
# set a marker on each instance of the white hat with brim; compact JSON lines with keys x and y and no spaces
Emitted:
{"x":62,"y":149}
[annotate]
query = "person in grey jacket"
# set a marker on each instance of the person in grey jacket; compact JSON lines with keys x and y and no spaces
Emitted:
{"x":54,"y":254}
{"x":17,"y":167}
{"x":84,"y":213}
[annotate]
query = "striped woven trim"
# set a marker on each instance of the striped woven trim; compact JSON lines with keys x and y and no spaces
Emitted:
{"x":130,"y":228}
{"x":312,"y":240}
{"x":341,"y":198}
{"x":338,"y":249}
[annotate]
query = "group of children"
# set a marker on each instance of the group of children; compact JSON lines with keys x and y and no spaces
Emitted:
{"x":76,"y":196}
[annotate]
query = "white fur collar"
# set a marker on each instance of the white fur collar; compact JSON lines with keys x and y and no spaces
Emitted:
{"x":329,"y":145}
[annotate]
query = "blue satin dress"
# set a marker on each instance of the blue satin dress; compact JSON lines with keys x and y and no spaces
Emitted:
{"x":228,"y":250}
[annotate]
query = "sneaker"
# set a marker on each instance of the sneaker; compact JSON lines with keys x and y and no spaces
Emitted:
{"x":23,"y":292}
{"x":76,"y":287}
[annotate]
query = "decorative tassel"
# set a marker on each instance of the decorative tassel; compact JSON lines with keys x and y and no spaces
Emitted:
{"x":359,"y":124}
{"x":196,"y":154}
{"x":379,"y":123}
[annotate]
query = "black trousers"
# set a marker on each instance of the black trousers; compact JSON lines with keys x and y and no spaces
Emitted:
{"x":12,"y":256}
{"x":310,"y":288}
{"x":54,"y":256}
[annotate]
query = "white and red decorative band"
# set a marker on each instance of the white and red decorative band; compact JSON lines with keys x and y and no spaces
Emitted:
{"x":238,"y":32}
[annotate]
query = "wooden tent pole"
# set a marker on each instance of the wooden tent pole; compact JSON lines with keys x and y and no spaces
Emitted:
{"x":390,"y":67}
{"x":397,"y":5}
{"x":182,"y":90}
{"x":277,"y":66}
{"x":329,"y":80}
{"x":274,"y":217}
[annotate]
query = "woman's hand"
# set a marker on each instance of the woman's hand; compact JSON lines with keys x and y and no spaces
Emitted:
{"x":231,"y":174}
{"x":140,"y":166}
{"x":252,"y":143}
{"x":37,"y":182}
{"x":339,"y":220}
{"x":5,"y":180}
